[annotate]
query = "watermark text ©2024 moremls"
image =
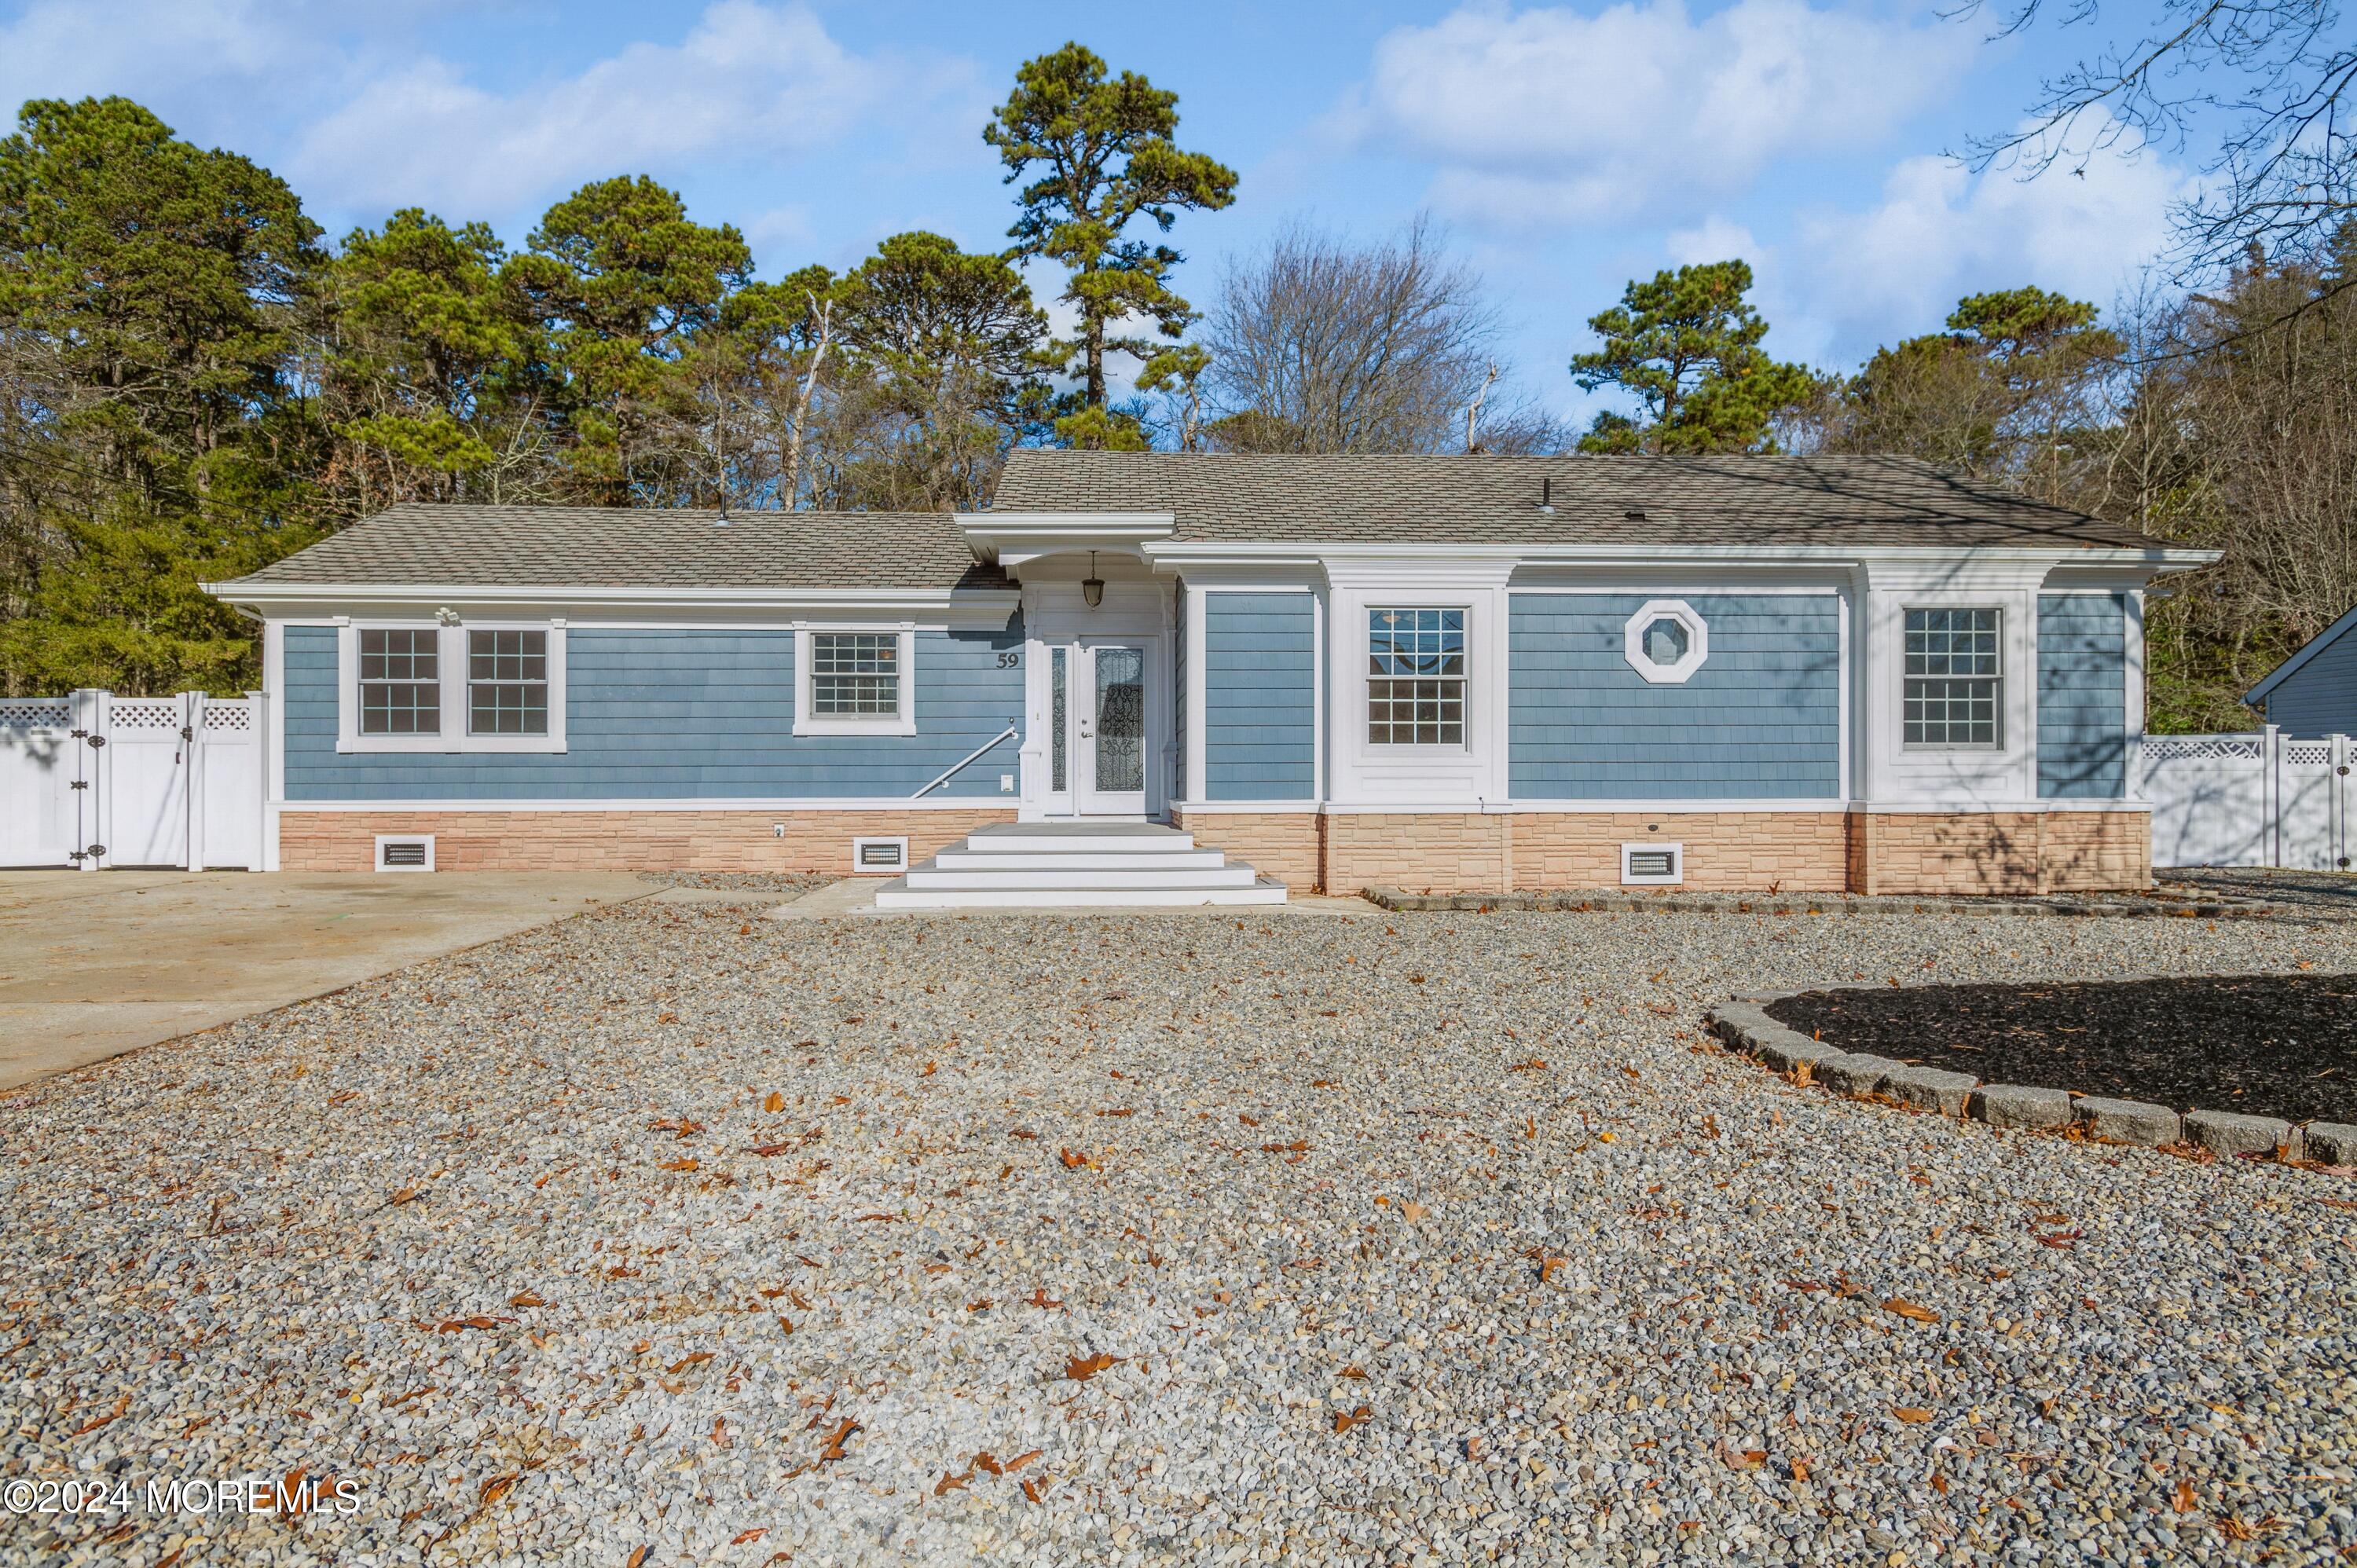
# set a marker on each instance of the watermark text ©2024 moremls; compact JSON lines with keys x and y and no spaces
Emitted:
{"x":292,"y":1494}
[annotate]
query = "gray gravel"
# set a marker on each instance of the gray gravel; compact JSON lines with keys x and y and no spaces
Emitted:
{"x":512,"y":1240}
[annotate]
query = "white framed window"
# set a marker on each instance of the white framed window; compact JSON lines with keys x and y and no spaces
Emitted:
{"x":854,"y":681}
{"x":1415,"y":676}
{"x":1953,"y":697}
{"x":432,"y":686}
{"x":1652,"y":863}
{"x":1665,"y":641}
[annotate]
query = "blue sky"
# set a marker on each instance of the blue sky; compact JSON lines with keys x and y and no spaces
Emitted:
{"x":1565,"y":149}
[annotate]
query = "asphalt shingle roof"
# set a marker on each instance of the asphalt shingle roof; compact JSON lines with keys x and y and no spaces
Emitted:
{"x":570,"y":546}
{"x":1734,"y":500}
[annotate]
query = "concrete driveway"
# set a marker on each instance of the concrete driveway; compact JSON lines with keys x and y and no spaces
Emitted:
{"x":96,"y":963}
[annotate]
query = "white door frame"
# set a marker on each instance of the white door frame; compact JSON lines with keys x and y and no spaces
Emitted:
{"x":1133,"y":614}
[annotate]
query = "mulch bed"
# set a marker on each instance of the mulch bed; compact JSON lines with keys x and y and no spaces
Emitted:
{"x":2270,"y":1045}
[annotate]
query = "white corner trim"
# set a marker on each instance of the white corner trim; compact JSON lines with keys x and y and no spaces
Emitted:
{"x":1679,"y":670}
{"x":902,"y":723}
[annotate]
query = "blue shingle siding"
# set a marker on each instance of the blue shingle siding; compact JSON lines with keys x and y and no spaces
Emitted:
{"x":1260,"y":709}
{"x":679,"y":713}
{"x":1760,"y":720}
{"x":2319,"y":698}
{"x":2083,"y":709}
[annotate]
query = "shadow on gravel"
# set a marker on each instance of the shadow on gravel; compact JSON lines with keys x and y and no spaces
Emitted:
{"x":2321,"y":892}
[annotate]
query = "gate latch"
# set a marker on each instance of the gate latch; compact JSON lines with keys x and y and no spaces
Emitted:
{"x":98,"y":740}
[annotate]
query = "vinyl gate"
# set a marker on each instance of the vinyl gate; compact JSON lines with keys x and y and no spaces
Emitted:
{"x":96,"y":781}
{"x":2255,"y":799}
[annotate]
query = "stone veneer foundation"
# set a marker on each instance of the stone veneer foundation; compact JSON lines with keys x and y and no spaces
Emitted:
{"x":620,"y":841}
{"x":1798,"y":852}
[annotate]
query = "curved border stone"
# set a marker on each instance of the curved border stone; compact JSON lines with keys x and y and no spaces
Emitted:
{"x":1743,"y":1023}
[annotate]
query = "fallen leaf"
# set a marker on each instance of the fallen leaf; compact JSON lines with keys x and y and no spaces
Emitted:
{"x":494,"y":1490}
{"x":693,"y":1359}
{"x":1606,"y":1138}
{"x":1353,"y":1372}
{"x":742,"y":1536}
{"x":785,"y":1322}
{"x":1534,"y":1065}
{"x":401,"y":1197}
{"x":686,"y":1163}
{"x":1414,"y":1211}
{"x":458,"y":1324}
{"x":1911,"y":1414}
{"x":1031,"y":1491}
{"x":1908,"y":1309}
{"x":1939,"y":1483}
{"x":1074,"y":1160}
{"x":774,"y":1103}
{"x":837,"y":1438}
{"x":930,"y":1069}
{"x":1799,"y":1469}
{"x":1548,"y":1267}
{"x":988,"y":1462}
{"x":1247,"y":1121}
{"x":1359,"y":1417}
{"x":1022,"y":1459}
{"x":948,"y":1483}
{"x":525,"y":1298}
{"x":1080,"y":1370}
{"x":638,"y":1558}
{"x":2185,"y":1501}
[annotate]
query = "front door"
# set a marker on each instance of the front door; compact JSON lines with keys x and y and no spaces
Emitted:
{"x":1111,"y":734}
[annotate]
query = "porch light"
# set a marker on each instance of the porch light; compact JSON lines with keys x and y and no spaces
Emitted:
{"x":1093,"y":585}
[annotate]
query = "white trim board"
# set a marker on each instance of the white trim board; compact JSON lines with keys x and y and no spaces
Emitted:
{"x":993,"y":802}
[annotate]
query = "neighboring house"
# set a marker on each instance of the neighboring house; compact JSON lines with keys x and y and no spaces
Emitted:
{"x":1448,"y":672}
{"x":2314,"y":692}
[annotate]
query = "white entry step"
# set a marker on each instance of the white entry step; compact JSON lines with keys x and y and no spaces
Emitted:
{"x":1061,"y":865}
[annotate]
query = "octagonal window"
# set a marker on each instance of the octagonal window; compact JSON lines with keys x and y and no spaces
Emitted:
{"x":1666,"y":641}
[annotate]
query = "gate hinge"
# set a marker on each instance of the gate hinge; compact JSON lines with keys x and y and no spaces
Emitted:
{"x":81,"y":783}
{"x":188,"y":734}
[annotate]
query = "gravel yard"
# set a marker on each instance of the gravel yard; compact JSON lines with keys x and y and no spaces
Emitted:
{"x":1158,"y":1239}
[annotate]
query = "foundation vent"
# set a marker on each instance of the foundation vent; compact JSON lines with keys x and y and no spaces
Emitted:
{"x":1652,"y":863}
{"x":405,"y":854}
{"x":880,"y":857}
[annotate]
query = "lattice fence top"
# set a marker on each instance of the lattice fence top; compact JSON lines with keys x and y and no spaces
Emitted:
{"x":2307,"y":753}
{"x":237,"y":717}
{"x":2204,"y":747}
{"x":35,"y":712}
{"x":145,"y":713}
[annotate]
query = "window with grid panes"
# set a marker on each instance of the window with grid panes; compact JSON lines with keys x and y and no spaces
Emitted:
{"x":1954,"y":678}
{"x":1415,"y":677}
{"x":506,"y":683}
{"x":855,"y":675}
{"x":401,"y":681}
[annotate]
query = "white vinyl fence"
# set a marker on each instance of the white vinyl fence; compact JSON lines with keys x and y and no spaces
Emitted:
{"x":96,"y":781}
{"x":2256,"y":799}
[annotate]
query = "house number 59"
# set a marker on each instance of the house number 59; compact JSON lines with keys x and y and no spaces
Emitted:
{"x":1009,"y":661}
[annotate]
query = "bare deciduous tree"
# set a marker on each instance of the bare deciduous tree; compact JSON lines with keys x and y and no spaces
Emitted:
{"x":1318,"y":345}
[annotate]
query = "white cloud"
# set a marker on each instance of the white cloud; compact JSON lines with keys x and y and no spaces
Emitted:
{"x":69,"y":48}
{"x":1940,"y":232}
{"x":1547,"y":115}
{"x":750,"y":83}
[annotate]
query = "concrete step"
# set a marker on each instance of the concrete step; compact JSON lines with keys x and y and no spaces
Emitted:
{"x":1077,"y":860}
{"x":930,"y":876}
{"x":897,"y":895}
{"x":1078,"y":838}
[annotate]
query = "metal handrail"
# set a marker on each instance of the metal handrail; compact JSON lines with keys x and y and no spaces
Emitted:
{"x":961,"y":766}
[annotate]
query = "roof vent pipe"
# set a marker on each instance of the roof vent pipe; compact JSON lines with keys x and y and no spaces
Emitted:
{"x":1546,"y":495}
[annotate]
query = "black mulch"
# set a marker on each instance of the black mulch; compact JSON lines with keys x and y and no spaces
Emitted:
{"x":2271,"y":1045}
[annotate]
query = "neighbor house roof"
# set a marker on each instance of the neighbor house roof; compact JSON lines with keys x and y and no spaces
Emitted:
{"x":631,"y":547}
{"x":2315,"y":645}
{"x":1365,"y":497}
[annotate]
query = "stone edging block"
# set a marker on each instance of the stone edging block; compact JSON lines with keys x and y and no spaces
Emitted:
{"x":1744,"y":1025}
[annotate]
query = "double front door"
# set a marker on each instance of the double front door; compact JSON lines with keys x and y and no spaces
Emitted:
{"x":1097,"y":745}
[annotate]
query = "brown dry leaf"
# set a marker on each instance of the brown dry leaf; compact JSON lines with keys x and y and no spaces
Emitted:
{"x":988,"y":1462}
{"x":1413,"y":1212}
{"x":1799,"y":1469}
{"x":930,"y":1069}
{"x":2185,"y":1501}
{"x":1031,"y":1491}
{"x":686,"y":1163}
{"x":948,"y":1483}
{"x":1247,"y":1121}
{"x":1074,"y":1160}
{"x":770,"y":1151}
{"x":1022,"y":1459}
{"x":775,"y":1102}
{"x":495,"y":1488}
{"x":1548,"y":1267}
{"x":638,"y":1558}
{"x":456,"y":1325}
{"x":693,"y":1359}
{"x":1080,"y":1370}
{"x":2234,"y":1528}
{"x":1534,"y":1064}
{"x":787,"y":1324}
{"x":1607,"y":1138}
{"x":1909,"y":1310}
{"x":401,"y":1197}
{"x":1911,"y":1414}
{"x":1359,"y":1417}
{"x":1939,"y":1483}
{"x":742,"y":1536}
{"x":1358,"y":1373}
{"x":526,"y":1298}
{"x":837,"y":1438}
